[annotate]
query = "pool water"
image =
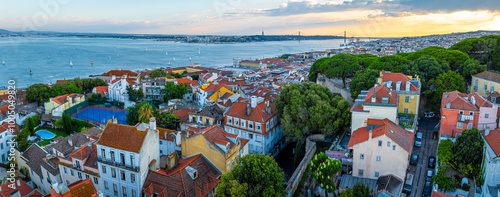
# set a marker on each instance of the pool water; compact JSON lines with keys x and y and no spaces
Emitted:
{"x":45,"y":134}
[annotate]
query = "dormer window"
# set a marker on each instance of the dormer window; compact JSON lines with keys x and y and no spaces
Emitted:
{"x":385,"y":100}
{"x":193,"y":173}
{"x":448,"y":104}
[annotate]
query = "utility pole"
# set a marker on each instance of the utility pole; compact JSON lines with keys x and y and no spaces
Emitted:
{"x":345,"y":36}
{"x":299,"y":36}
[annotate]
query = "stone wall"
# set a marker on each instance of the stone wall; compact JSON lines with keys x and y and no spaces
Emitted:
{"x":334,"y":88}
{"x":294,"y":180}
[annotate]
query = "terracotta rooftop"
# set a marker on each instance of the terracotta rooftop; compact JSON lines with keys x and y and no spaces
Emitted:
{"x":217,"y":135}
{"x":21,"y":186}
{"x":256,"y":114}
{"x":122,"y":137}
{"x":439,"y":194}
{"x":102,"y":90}
{"x":64,"y":98}
{"x":395,"y":77}
{"x":183,"y":114}
{"x":178,"y":182}
{"x":168,"y":133}
{"x":120,"y":73}
{"x":487,"y":75}
{"x":129,"y":81}
{"x":5,"y":127}
{"x":383,"y":127}
{"x":462,"y":101}
{"x":493,"y":140}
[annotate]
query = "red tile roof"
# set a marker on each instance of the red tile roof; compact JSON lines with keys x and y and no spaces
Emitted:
{"x":61,"y":82}
{"x":487,"y":75}
{"x":23,"y":188}
{"x":178,"y":182}
{"x":122,"y":137}
{"x":169,"y":137}
{"x":385,"y":127}
{"x":256,"y":114}
{"x":381,"y":91}
{"x":5,"y":127}
{"x":439,"y":194}
{"x":64,"y":98}
{"x":217,"y":135}
{"x":395,"y":77}
{"x":129,"y":81}
{"x":493,"y":140}
{"x":186,"y":80}
{"x":80,"y":188}
{"x":102,"y":90}
{"x":215,"y":87}
{"x":120,"y":73}
{"x":458,"y":101}
{"x":183,"y":114}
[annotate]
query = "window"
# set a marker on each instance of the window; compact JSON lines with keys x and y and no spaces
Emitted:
{"x":393,"y":147}
{"x":250,"y":125}
{"x":132,"y":160}
{"x":258,"y":127}
{"x":459,"y":125}
{"x":103,"y":153}
{"x":79,"y":175}
{"x":112,"y":156}
{"x":243,"y":123}
{"x":122,"y":158}
{"x":96,"y":181}
{"x":378,"y":158}
{"x":461,"y":112}
{"x":492,"y":88}
{"x":469,"y":126}
{"x":122,"y":173}
{"x":161,"y":142}
{"x":113,"y":172}
{"x":380,"y":143}
{"x":486,"y":116}
{"x":485,"y":86}
{"x":250,"y":135}
{"x":377,"y":174}
{"x":229,"y":120}
{"x":228,"y":166}
{"x":106,"y":185}
{"x":115,"y":189}
{"x":407,"y":99}
{"x":132,"y":178}
{"x":361,"y":156}
{"x":87,"y":176}
{"x":124,"y":191}
{"x":67,"y":182}
{"x":72,"y":172}
{"x":471,"y":113}
{"x":388,"y":144}
{"x":103,"y":169}
{"x":161,"y":152}
{"x":65,"y":170}
{"x":134,"y":193}
{"x":405,"y":110}
{"x":236,"y":122}
{"x":361,"y":172}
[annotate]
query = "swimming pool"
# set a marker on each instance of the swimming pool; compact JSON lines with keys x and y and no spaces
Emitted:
{"x":45,"y":134}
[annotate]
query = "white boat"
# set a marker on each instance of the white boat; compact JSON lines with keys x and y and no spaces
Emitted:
{"x":198,"y":51}
{"x":174,"y":59}
{"x":166,"y":53}
{"x":70,"y":63}
{"x":3,"y":62}
{"x":189,"y":58}
{"x":169,"y":63}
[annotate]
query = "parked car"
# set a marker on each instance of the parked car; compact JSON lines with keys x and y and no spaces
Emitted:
{"x":418,"y":139}
{"x":435,"y":135}
{"x":430,"y":173}
{"x":429,"y":114}
{"x":432,"y":162}
{"x":414,"y":159}
{"x":427,"y":188}
{"x":408,"y":183}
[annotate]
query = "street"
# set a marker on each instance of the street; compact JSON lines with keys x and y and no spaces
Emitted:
{"x":429,"y":148}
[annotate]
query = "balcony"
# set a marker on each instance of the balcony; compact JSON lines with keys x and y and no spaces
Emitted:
{"x":118,"y":164}
{"x":465,"y":118}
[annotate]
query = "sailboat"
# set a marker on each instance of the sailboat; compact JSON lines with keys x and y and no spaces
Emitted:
{"x":70,"y":63}
{"x":169,"y":63}
{"x":166,"y":53}
{"x":91,"y":62}
{"x":198,"y":51}
{"x":3,"y":62}
{"x":31,"y":72}
{"x":174,"y":59}
{"x":189,"y":58}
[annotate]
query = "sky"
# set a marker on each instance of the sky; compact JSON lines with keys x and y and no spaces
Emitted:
{"x":362,"y":18}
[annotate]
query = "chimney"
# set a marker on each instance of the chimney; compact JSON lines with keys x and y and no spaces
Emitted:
{"x":178,"y":139}
{"x":445,"y":94}
{"x":70,"y":142}
{"x":487,"y":131}
{"x":152,"y":123}
{"x":218,"y":94}
{"x":253,"y":101}
{"x":166,"y":135}
{"x":268,"y":107}
{"x":172,"y":160}
{"x":249,"y":109}
{"x":407,"y":88}
{"x":18,"y":183}
{"x":370,"y":134}
{"x":113,"y":77}
{"x":374,"y":98}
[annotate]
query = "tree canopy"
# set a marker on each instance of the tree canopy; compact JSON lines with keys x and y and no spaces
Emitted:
{"x":343,"y":65}
{"x":168,"y":121}
{"x":478,"y":48}
{"x":324,"y":170}
{"x":468,"y":151}
{"x":359,"y":190}
{"x":446,"y":82}
{"x":253,"y":175}
{"x":134,"y":95}
{"x":39,"y":93}
{"x":469,"y":68}
{"x":309,"y":108}
{"x":141,"y":112}
{"x":173,"y":91}
{"x":363,"y":80}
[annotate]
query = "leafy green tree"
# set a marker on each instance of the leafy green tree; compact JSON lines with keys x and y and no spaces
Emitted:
{"x":361,"y":190}
{"x":133,"y":112}
{"x":57,"y":90}
{"x":469,"y":68}
{"x":176,"y":75}
{"x":347,"y":193}
{"x":429,"y":67}
{"x":342,"y":66}
{"x":67,"y":124}
{"x":363,"y":80}
{"x":157,"y":73}
{"x":168,"y":121}
{"x":391,"y":63}
{"x":445,"y":154}
{"x":255,"y":175}
{"x":453,"y":58}
{"x":31,"y":123}
{"x":445,"y":183}
{"x":446,"y":82}
{"x":71,"y":87}
{"x":495,"y":56}
{"x":22,"y":139}
{"x":324,"y":170}
{"x":95,"y":97}
{"x":468,"y":151}
{"x":195,"y":77}
{"x":316,"y":68}
{"x":173,"y":91}
{"x":134,"y":95}
{"x":39,"y":93}
{"x":478,"y":48}
{"x":229,"y":187}
{"x":309,"y":108}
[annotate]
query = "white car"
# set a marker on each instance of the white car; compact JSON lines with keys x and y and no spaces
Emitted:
{"x":418,"y":139}
{"x":429,"y":114}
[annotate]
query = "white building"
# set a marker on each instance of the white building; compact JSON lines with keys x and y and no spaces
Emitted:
{"x":125,"y":154}
{"x":5,"y":137}
{"x":491,"y":163}
{"x":257,"y":121}
{"x":170,"y":141}
{"x":117,"y":90}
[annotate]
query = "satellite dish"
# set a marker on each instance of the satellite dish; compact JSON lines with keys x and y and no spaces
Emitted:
{"x":412,"y":97}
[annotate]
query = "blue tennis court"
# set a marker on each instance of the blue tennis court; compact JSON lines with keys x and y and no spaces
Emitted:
{"x":101,"y":115}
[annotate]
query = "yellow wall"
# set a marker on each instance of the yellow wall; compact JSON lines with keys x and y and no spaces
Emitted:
{"x":203,"y":118}
{"x":480,"y":87}
{"x":215,"y":95}
{"x":199,"y":144}
{"x":51,"y":105}
{"x":249,"y":64}
{"x":412,"y":106}
{"x":3,"y":92}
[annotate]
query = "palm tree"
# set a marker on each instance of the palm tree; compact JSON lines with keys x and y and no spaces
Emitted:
{"x":145,"y":112}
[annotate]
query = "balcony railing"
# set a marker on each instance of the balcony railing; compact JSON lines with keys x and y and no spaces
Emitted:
{"x":465,"y":118}
{"x":118,"y":164}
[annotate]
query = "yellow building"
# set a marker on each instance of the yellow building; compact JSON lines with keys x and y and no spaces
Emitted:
{"x":407,"y":87}
{"x":212,"y":92}
{"x":3,"y":91}
{"x":57,"y":105}
{"x":210,"y":115}
{"x":218,"y":146}
{"x":485,"y":83}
